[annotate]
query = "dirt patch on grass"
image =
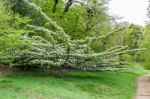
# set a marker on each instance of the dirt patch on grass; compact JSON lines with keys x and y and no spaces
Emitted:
{"x":5,"y":70}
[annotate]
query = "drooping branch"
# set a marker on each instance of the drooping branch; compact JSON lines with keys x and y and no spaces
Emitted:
{"x":54,"y":24}
{"x":101,"y":37}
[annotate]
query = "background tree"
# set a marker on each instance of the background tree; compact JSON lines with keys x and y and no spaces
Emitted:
{"x":145,"y":54}
{"x":11,"y":31}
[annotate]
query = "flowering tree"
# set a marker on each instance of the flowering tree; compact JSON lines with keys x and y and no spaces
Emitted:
{"x":53,"y":48}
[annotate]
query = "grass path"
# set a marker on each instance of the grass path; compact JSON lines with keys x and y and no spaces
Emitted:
{"x":143,"y":84}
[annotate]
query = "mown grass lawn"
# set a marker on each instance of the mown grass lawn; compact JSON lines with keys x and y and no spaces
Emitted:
{"x":76,"y":85}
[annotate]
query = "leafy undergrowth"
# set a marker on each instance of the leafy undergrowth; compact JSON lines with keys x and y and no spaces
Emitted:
{"x":76,"y":85}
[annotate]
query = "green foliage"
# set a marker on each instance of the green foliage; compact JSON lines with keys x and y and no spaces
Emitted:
{"x":126,"y":57}
{"x":146,"y":54}
{"x":11,"y":31}
{"x":134,"y":36}
{"x":76,"y":22}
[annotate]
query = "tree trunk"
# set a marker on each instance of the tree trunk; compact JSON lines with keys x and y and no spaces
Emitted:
{"x":61,"y":72}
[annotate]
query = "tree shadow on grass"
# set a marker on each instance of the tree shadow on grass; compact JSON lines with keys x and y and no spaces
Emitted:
{"x":71,"y":75}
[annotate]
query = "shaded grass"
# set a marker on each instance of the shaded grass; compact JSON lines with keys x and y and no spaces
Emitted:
{"x":77,"y":85}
